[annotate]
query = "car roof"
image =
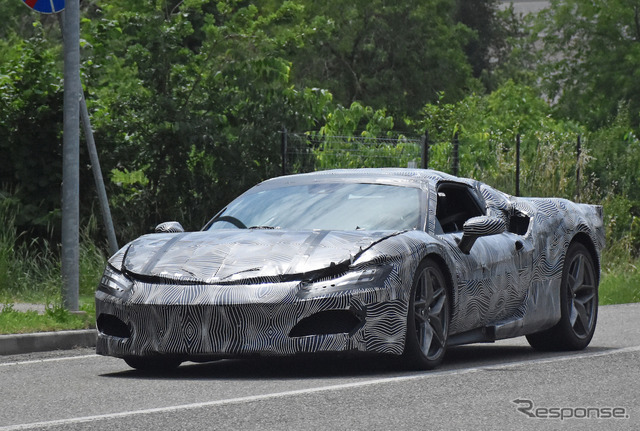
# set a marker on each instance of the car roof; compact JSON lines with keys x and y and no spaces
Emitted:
{"x":384,"y":175}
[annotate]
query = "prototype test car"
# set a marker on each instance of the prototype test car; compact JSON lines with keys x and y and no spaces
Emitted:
{"x":392,"y":261}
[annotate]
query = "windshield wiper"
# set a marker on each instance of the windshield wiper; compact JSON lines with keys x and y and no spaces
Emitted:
{"x":264,"y":227}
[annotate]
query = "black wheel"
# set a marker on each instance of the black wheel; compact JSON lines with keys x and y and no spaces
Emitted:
{"x":152,"y":363}
{"x":428,"y":317}
{"x":230,"y":219}
{"x":578,"y":304}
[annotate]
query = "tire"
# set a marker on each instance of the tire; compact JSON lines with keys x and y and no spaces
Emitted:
{"x":578,"y":304}
{"x":152,"y":363}
{"x":427,"y":318}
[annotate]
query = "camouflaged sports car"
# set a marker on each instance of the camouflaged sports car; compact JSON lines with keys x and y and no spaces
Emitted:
{"x":392,"y":261}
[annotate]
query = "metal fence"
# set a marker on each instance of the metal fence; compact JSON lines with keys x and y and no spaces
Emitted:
{"x":307,"y":152}
{"x":312,"y":151}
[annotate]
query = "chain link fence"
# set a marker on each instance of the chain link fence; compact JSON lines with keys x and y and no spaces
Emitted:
{"x":307,"y":152}
{"x":312,"y":151}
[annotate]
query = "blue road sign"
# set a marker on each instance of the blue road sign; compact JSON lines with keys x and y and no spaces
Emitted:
{"x":45,"y":6}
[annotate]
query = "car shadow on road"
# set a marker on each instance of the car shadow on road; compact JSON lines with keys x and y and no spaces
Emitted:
{"x":269,"y":368}
{"x":341,"y":366}
{"x":487,"y":355}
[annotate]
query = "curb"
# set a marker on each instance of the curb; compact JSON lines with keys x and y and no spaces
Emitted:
{"x":16,"y":344}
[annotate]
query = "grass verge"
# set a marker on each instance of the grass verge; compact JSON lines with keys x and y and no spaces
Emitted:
{"x":620,"y":285}
{"x":620,"y":276}
{"x":55,"y":318}
{"x":30,"y":272}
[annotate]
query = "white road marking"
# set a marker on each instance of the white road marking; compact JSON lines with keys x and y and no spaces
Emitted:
{"x":275,"y":395}
{"x":39,"y":361}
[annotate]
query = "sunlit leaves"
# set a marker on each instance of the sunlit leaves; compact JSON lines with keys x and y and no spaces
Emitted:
{"x":592,"y":53}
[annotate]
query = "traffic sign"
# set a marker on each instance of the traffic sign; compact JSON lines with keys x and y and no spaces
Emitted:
{"x":45,"y":6}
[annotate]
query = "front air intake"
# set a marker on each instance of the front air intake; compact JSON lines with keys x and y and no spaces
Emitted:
{"x":109,"y":324}
{"x":327,"y":322}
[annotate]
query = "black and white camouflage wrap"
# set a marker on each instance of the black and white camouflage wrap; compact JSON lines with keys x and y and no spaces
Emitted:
{"x":240,"y":292}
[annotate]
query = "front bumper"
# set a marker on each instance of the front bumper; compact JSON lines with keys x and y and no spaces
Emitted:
{"x":217,"y":321}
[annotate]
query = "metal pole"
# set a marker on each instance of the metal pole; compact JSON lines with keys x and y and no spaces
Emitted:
{"x":95,"y":163}
{"x":518,"y":164}
{"x":425,"y":150}
{"x":71,"y":157}
{"x":97,"y":176}
{"x":456,"y":162}
{"x":578,"y":153}
{"x":284,"y":151}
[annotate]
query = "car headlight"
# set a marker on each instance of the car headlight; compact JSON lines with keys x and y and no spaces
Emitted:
{"x":356,"y":279}
{"x":114,"y":282}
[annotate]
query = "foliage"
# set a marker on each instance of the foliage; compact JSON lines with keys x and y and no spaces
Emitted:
{"x":620,"y":278}
{"x":341,"y":146}
{"x":519,"y":54}
{"x":30,"y":130}
{"x":593,"y":58}
{"x":489,"y":47}
{"x":620,"y":284}
{"x":488,"y":127}
{"x":622,"y":224}
{"x":386,"y":55}
{"x":30,"y":271}
{"x":615,"y":148}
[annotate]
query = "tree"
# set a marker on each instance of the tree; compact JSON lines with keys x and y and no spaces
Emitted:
{"x":492,"y":29}
{"x":593,"y":58}
{"x":387,"y":55}
{"x":487,"y":127}
{"x":30,"y":130}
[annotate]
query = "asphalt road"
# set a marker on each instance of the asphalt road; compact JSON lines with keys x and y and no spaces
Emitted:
{"x":474,"y":389}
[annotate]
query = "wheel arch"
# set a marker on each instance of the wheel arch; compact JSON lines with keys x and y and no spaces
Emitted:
{"x":584,"y":239}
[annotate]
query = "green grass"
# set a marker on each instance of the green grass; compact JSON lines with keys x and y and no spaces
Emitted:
{"x":30,"y":272}
{"x":620,"y":284}
{"x":55,"y":318}
{"x":620,"y":277}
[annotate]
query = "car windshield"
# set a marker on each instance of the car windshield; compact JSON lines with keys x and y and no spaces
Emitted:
{"x":333,"y":206}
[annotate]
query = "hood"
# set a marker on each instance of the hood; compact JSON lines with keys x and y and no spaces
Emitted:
{"x":243,"y":255}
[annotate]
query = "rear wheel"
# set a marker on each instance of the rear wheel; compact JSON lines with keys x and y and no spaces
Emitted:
{"x":428,"y":317}
{"x":151,"y":363}
{"x":578,"y":304}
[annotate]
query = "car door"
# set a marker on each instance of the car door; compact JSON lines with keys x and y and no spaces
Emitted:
{"x":493,"y":278}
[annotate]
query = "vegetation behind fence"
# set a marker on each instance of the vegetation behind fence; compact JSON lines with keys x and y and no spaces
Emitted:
{"x":544,"y":164}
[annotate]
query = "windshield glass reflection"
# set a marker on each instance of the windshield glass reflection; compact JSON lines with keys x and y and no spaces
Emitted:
{"x":334,"y":206}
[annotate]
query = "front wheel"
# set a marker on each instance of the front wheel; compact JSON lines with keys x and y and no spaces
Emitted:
{"x":578,"y":304}
{"x":428,"y":317}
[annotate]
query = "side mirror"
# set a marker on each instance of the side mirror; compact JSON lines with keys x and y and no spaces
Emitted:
{"x":169,"y":227}
{"x":477,"y":227}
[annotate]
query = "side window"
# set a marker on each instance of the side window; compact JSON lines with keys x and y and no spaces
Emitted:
{"x":519,"y":223}
{"x":456,"y":204}
{"x":499,"y":205}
